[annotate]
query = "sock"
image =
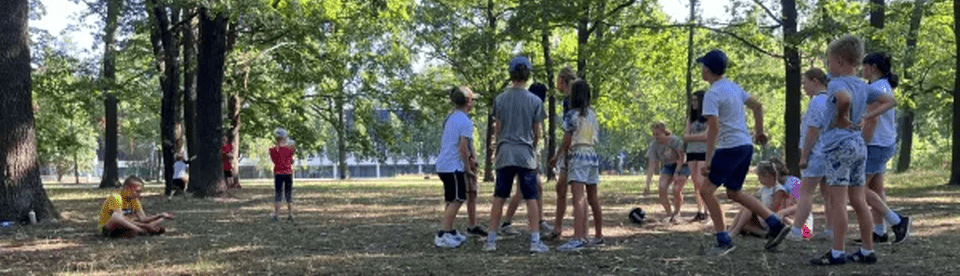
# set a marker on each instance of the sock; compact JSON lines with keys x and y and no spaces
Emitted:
{"x":492,"y":237}
{"x":797,"y":231}
{"x":723,"y":238}
{"x":836,"y":253}
{"x":880,"y":229}
{"x":774,"y":222}
{"x":535,"y":237}
{"x":892,"y":218}
{"x":865,"y":252}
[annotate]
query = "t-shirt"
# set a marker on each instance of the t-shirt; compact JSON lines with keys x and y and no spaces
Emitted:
{"x":226,"y":149}
{"x":115,"y":201}
{"x":665,"y":153}
{"x":885,"y":135}
{"x":766,"y":193}
{"x":584,"y":130}
{"x":697,"y":127}
{"x":860,"y":96}
{"x":516,"y":111}
{"x":814,"y":114}
{"x":457,"y":125}
{"x":282,"y":160}
{"x":726,"y":100}
{"x":179,"y":169}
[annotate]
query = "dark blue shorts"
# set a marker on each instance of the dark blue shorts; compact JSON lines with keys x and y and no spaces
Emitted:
{"x":283,"y":188}
{"x":729,"y":167}
{"x":526,"y":177}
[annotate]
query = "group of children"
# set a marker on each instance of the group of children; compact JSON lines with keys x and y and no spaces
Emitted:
{"x":848,"y":135}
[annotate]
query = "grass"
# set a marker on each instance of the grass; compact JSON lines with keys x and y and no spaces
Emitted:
{"x":385,"y":227}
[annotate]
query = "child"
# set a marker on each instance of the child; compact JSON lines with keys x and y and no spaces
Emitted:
{"x":565,"y":78}
{"x":772,"y":194}
{"x":843,"y":148}
{"x":580,"y":136}
{"x":518,"y":114}
{"x":881,"y":136}
{"x":695,"y":136}
{"x":122,"y":215}
{"x":506,"y":228}
{"x":282,"y":157}
{"x":778,"y":169}
{"x":179,"y":176}
{"x":728,"y":166}
{"x":454,"y":164}
{"x":815,"y":85}
{"x":666,"y":152}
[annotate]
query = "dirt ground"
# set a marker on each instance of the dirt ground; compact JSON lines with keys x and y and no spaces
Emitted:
{"x":386,"y":227}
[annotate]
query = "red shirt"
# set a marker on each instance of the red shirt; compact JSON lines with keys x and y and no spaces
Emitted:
{"x":282,"y":160}
{"x":226,"y":149}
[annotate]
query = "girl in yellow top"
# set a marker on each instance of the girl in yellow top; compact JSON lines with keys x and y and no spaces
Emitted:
{"x":113,"y":214}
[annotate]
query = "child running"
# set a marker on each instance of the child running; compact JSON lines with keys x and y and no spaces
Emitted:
{"x":518,"y":114}
{"x":454,"y":165}
{"x":282,"y":156}
{"x":843,"y":148}
{"x":580,"y":136}
{"x":695,"y":136}
{"x":727,"y":132}
{"x":666,"y":152}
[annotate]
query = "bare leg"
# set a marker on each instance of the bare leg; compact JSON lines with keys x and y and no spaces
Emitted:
{"x":805,"y":202}
{"x":875,"y":184}
{"x":697,"y":181}
{"x":716,"y":214}
{"x":750,"y":202}
{"x":665,"y":181}
{"x":597,"y":212}
{"x":472,"y":207}
{"x":512,"y":207}
{"x":561,"y":202}
{"x":450,"y":213}
{"x":678,"y":196}
{"x":738,"y":222}
{"x":495,"y":212}
{"x":838,"y":215}
{"x":579,"y":211}
{"x":864,"y":218}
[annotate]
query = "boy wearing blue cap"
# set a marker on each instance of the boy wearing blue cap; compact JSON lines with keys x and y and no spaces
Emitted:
{"x":518,"y":114}
{"x":729,"y":150}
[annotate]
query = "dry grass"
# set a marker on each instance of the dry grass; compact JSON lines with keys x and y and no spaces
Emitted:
{"x":385,"y":228}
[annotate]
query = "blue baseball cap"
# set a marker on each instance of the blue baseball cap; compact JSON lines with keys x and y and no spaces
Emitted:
{"x":714,"y":60}
{"x":520,"y":60}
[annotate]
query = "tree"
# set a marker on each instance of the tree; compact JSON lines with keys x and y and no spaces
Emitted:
{"x":208,"y":180}
{"x":20,"y":188}
{"x":110,"y":176}
{"x":791,"y":64}
{"x":908,"y":117}
{"x":167,"y":50}
{"x":955,"y":165}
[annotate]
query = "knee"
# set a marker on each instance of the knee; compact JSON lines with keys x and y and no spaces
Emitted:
{"x":733,"y":195}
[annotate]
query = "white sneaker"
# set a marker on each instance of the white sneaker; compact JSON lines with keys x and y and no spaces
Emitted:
{"x":545,"y":229}
{"x":507,"y":229}
{"x":572,"y":245}
{"x":446,"y":241}
{"x":490,"y":246}
{"x":538,"y":247}
{"x":459,"y":237}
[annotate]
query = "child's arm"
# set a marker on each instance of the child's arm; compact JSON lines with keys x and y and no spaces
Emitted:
{"x":759,"y":136}
{"x":883,"y":104}
{"x":564,"y":146}
{"x":464,"y":150}
{"x":681,"y":159}
{"x":536,"y":134}
{"x":651,"y":165}
{"x":713,"y":127}
{"x":843,"y":110}
{"x":778,"y":202}
{"x":689,"y":137}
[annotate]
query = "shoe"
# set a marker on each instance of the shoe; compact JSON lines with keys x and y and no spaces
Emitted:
{"x":550,"y":236}
{"x":860,"y":258}
{"x":876,"y":238}
{"x":446,"y":241}
{"x":572,"y":245}
{"x":828,"y":259}
{"x":459,"y":236}
{"x":477,"y":231}
{"x":290,"y":217}
{"x":595,"y":242}
{"x":274,"y":217}
{"x":776,"y":236}
{"x":698,"y":217}
{"x":545,"y":228}
{"x":538,"y":247}
{"x":902,"y":230}
{"x":794,"y":237}
{"x":507,"y":229}
{"x":721,"y":249}
{"x":490,"y":246}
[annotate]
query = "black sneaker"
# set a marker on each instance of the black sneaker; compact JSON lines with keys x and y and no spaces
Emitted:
{"x":860,"y":258}
{"x":776,"y":236}
{"x":902,"y":230}
{"x":828,"y":259}
{"x":876,"y":239}
{"x":476,"y":231}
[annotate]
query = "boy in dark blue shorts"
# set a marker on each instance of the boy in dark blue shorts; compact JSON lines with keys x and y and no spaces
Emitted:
{"x":727,"y":134}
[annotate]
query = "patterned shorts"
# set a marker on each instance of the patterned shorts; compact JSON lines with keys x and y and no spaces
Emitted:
{"x":584,"y":167}
{"x":845,"y":162}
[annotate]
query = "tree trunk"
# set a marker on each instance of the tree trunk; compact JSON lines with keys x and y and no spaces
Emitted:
{"x":693,"y":14}
{"x":491,"y":89}
{"x":552,"y":109}
{"x":76,"y":169}
{"x":169,"y":83}
{"x":877,"y":13}
{"x":110,"y":170}
{"x":907,"y":119}
{"x":791,"y":64}
{"x":189,"y":86}
{"x":341,"y":141}
{"x":954,"y":164}
{"x":20,"y":188}
{"x":208,"y":180}
{"x":489,"y":144}
{"x":583,"y":36}
{"x":233,"y":107}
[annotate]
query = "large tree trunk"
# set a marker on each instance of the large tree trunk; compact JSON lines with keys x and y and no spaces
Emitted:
{"x":583,"y":36}
{"x":552,"y":109}
{"x":208,"y":180}
{"x":169,"y":83}
{"x":341,"y":140}
{"x":189,"y":85}
{"x":691,"y":21}
{"x":954,"y":164}
{"x":233,"y":106}
{"x":20,"y":188}
{"x":907,"y":119}
{"x":110,"y":175}
{"x":791,"y":63}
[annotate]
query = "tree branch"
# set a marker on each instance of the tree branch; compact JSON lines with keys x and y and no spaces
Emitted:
{"x":769,"y":13}
{"x":611,"y":13}
{"x":716,"y":30}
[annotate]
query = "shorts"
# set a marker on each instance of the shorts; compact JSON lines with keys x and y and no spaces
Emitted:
{"x":282,"y":188}
{"x":670,"y":169}
{"x":815,"y":166}
{"x":227,"y":174}
{"x":527,"y":180}
{"x":115,"y":233}
{"x":845,"y":163}
{"x":696,"y":156}
{"x":454,"y":186}
{"x":729,"y":167}
{"x":561,"y":162}
{"x":584,"y":167}
{"x":877,"y":158}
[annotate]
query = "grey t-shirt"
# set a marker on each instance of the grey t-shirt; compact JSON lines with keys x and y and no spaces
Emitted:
{"x":516,"y":111}
{"x":666,"y":153}
{"x":861,"y":95}
{"x":697,"y":127}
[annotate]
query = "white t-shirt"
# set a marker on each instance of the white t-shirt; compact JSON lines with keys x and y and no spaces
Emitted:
{"x":726,"y":101}
{"x":766,"y":193}
{"x":885,"y":135}
{"x":179,"y":169}
{"x":457,"y":125}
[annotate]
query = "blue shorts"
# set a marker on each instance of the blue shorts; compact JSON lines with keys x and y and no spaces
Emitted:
{"x":845,"y":162}
{"x":584,"y":167}
{"x":527,"y":179}
{"x":670,"y":169}
{"x":729,"y":167}
{"x":283,"y":188}
{"x":877,"y":158}
{"x":815,"y":166}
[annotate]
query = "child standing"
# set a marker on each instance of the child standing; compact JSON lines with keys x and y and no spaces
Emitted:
{"x":727,"y":132}
{"x":815,"y":85}
{"x":506,"y":228}
{"x":565,"y":78}
{"x":282,"y":156}
{"x":518,"y":114}
{"x":580,"y":136}
{"x":180,"y":177}
{"x":454,"y":164}
{"x":843,"y":148}
{"x":666,"y":152}
{"x":695,"y":135}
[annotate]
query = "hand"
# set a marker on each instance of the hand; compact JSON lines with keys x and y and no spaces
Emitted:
{"x":705,"y":170}
{"x":167,"y":215}
{"x":553,"y":162}
{"x":760,"y":138}
{"x":843,"y":122}
{"x":803,"y":162}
